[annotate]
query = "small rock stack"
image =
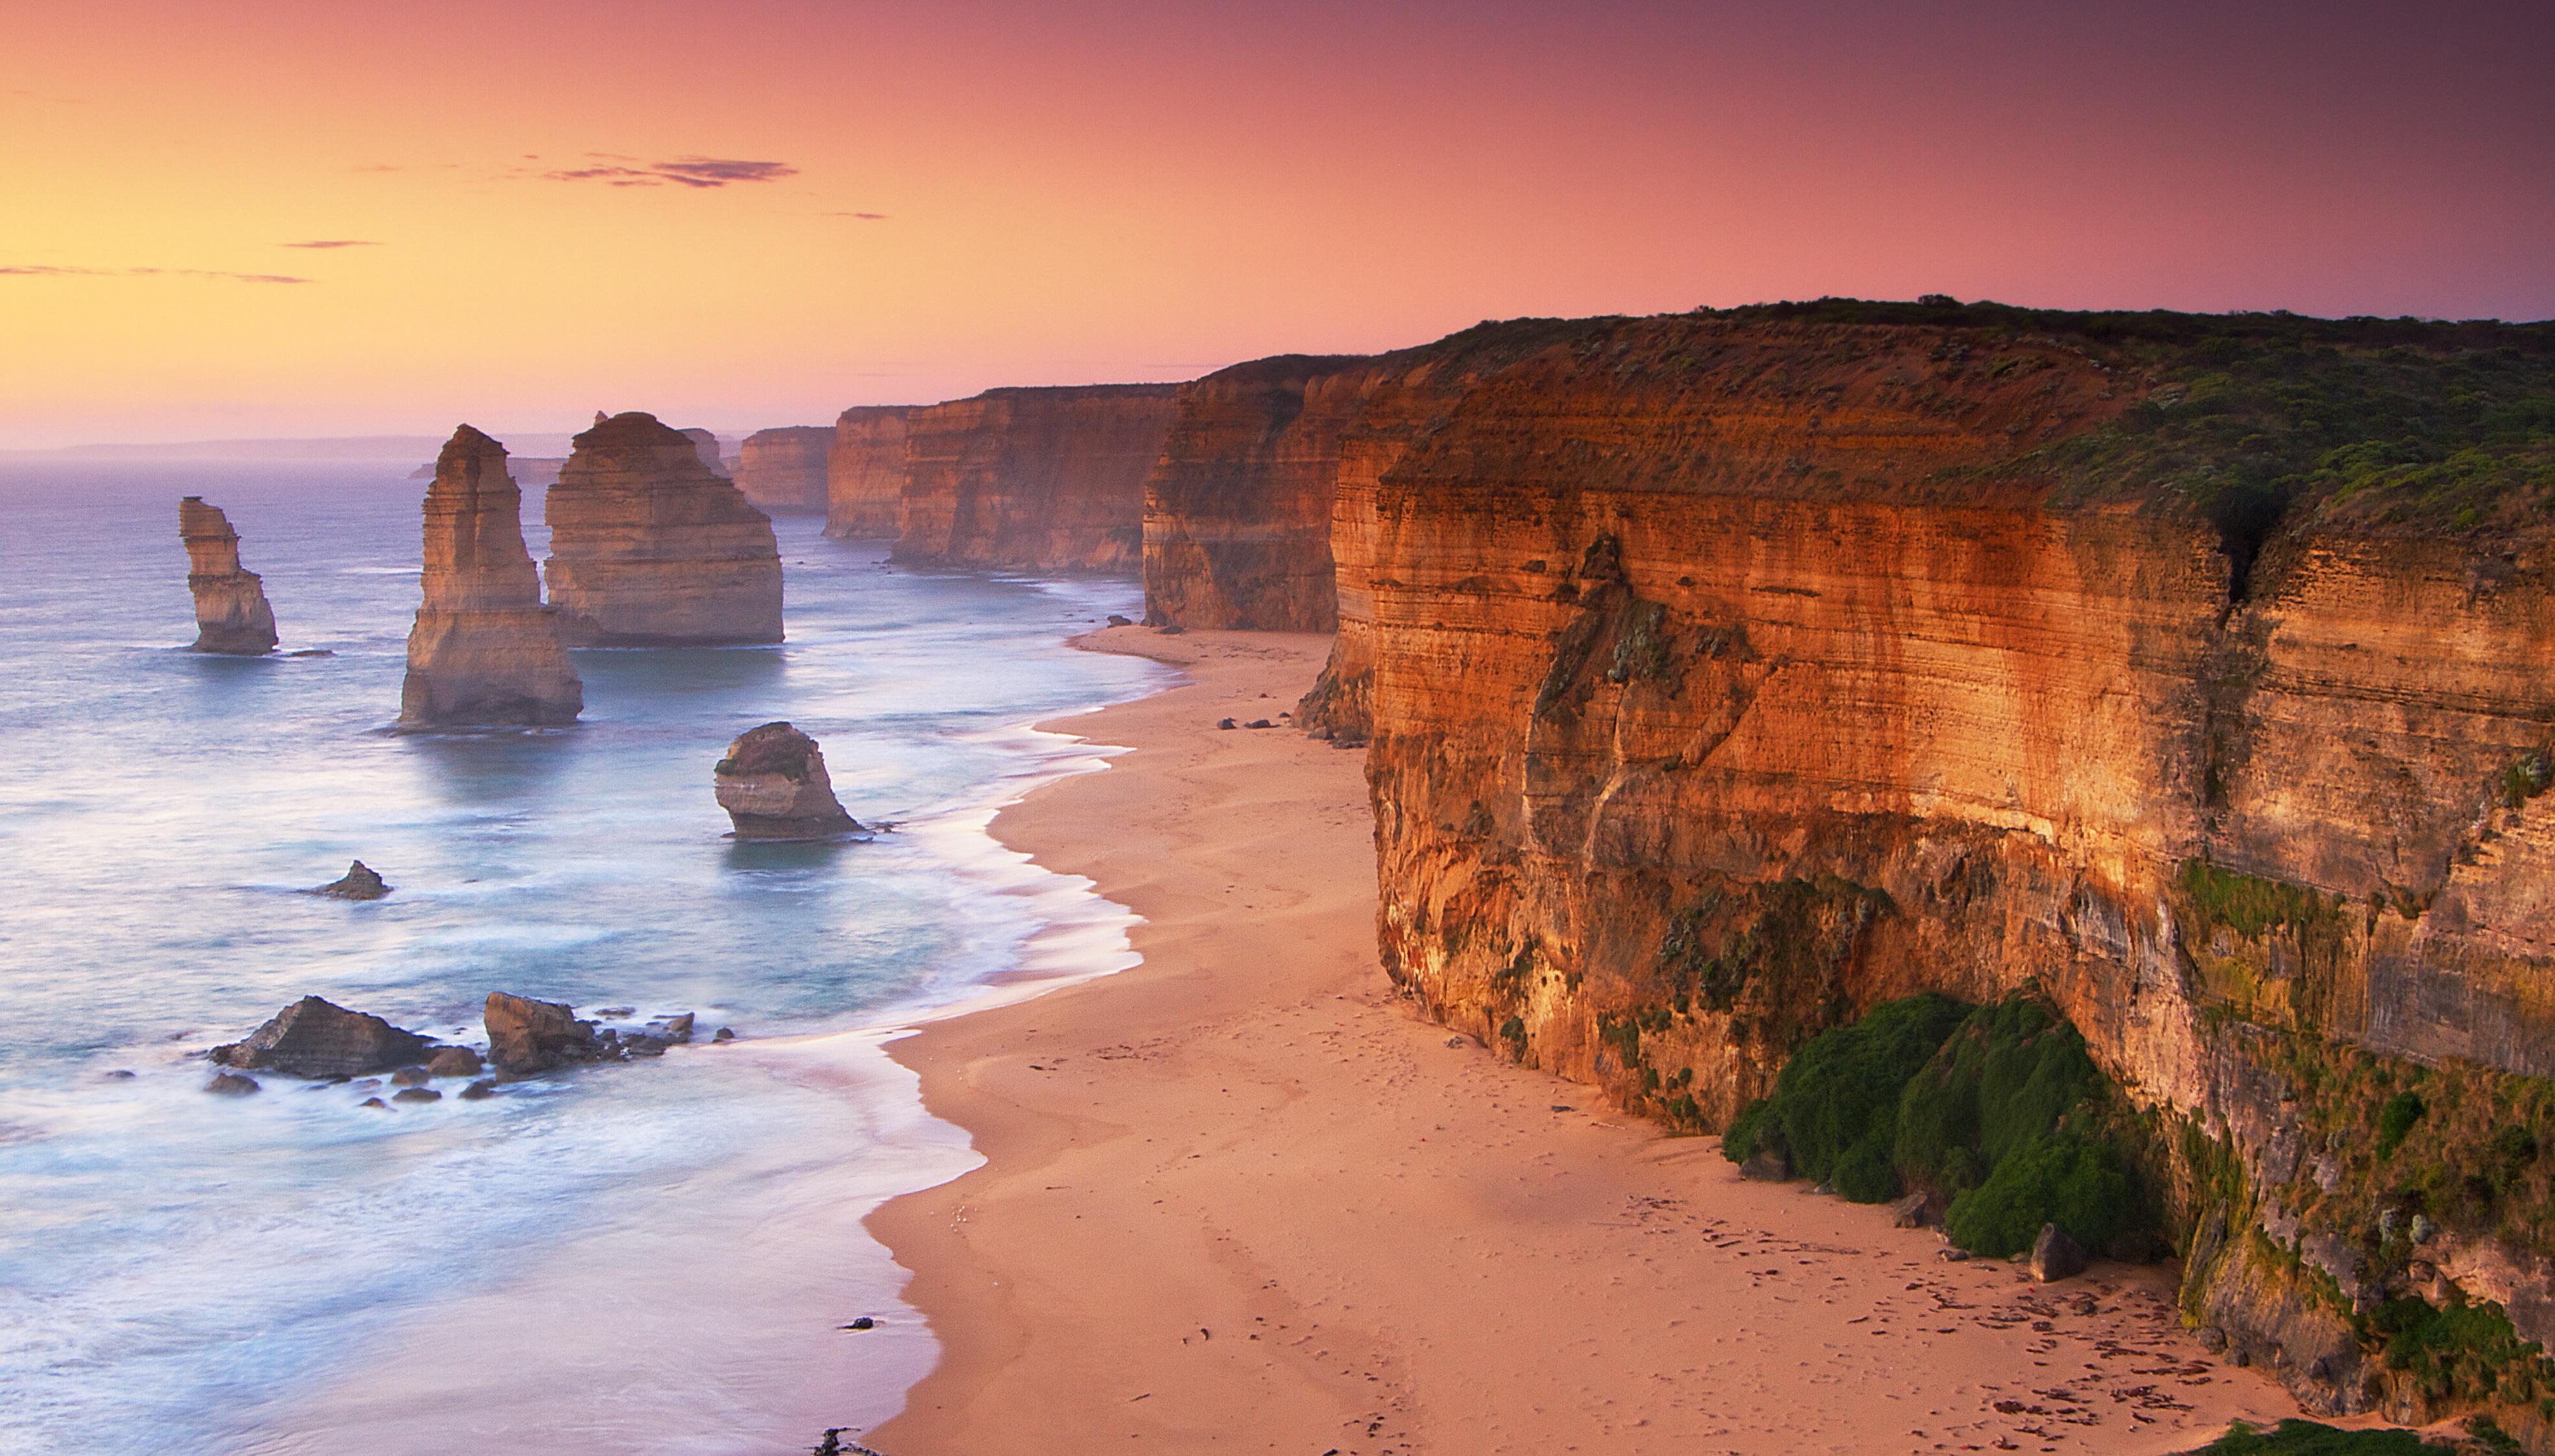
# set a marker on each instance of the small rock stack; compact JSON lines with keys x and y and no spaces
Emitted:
{"x":231,"y":613}
{"x":774,"y":786}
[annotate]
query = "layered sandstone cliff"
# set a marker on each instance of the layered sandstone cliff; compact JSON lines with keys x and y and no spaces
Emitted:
{"x":864,"y":472}
{"x":484,"y":651}
{"x":649,"y":547}
{"x":783,"y":469}
{"x":231,"y":613}
{"x":1033,"y":479}
{"x":1727,"y":675}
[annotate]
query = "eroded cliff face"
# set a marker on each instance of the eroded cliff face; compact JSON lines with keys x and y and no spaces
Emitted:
{"x":783,"y":470}
{"x":1726,"y":676}
{"x":1033,"y":479}
{"x":649,"y":547}
{"x":231,"y":612}
{"x":864,"y":472}
{"x":484,"y":650}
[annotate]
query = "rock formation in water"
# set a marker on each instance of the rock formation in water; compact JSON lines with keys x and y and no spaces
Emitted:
{"x":707,"y":445}
{"x":315,"y":1038}
{"x":484,"y":651}
{"x":1730,"y":673}
{"x":783,"y":469}
{"x":231,"y":614}
{"x":864,"y":472}
{"x":527,"y":1035}
{"x":649,"y":547}
{"x":774,"y":786}
{"x":358,"y":882}
{"x":1033,"y":479}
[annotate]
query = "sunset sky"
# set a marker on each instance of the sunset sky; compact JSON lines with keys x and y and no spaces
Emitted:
{"x":265,"y":218}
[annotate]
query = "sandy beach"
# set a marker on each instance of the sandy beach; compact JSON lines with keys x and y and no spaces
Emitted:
{"x":1240,"y":1198}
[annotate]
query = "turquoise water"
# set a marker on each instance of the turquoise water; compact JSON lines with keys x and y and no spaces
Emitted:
{"x":641,"y":1258}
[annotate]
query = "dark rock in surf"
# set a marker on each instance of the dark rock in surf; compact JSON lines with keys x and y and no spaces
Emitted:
{"x":359,"y":883}
{"x":315,"y":1038}
{"x":231,"y":1084}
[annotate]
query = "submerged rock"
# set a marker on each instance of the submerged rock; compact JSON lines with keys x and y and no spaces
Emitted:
{"x":774,"y":786}
{"x":358,"y":882}
{"x":231,"y":614}
{"x":231,"y":1084}
{"x":417,"y":1093}
{"x":484,"y":652}
{"x":453,"y":1062}
{"x":317,"y":1038}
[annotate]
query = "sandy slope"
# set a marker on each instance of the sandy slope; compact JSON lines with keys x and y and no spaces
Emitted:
{"x":1239,"y":1199}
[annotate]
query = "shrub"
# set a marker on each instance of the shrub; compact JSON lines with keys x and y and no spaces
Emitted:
{"x":2306,"y":1439}
{"x":2395,"y":1120}
{"x":2065,"y":1179}
{"x":1836,"y":1102}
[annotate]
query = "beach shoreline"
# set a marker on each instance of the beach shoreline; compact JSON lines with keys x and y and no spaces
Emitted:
{"x":1241,"y":1197}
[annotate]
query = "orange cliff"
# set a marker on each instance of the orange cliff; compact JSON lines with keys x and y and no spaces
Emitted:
{"x":231,"y":612}
{"x":864,"y":472}
{"x":1727,"y":675}
{"x":783,"y":469}
{"x":649,"y":547}
{"x":1032,"y":479}
{"x":484,"y":651}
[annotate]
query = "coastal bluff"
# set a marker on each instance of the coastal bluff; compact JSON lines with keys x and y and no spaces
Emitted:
{"x":651,"y":547}
{"x":1728,"y":674}
{"x":484,"y":652}
{"x":232,"y":617}
{"x":864,"y":472}
{"x":781,"y":470}
{"x":1032,"y":479}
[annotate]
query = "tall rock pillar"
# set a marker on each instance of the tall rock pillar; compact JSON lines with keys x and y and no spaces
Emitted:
{"x":649,"y":547}
{"x":231,"y":614}
{"x":485,"y":651}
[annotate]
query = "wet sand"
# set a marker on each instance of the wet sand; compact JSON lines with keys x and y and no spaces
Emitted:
{"x":1240,"y":1199}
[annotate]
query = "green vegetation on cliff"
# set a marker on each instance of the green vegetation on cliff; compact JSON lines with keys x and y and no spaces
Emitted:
{"x":1998,"y":1108}
{"x":2306,"y":1439}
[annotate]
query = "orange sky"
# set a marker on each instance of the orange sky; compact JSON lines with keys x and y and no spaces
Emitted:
{"x":1132,"y":191}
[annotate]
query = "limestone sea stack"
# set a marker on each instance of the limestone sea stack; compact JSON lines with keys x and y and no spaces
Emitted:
{"x":773,"y":784}
{"x":651,"y":547}
{"x":231,"y":614}
{"x":707,"y":445}
{"x":484,"y":651}
{"x":1033,"y":479}
{"x":864,"y":472}
{"x":783,"y":469}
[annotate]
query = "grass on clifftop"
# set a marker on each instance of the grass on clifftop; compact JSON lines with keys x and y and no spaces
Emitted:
{"x":2388,"y":424}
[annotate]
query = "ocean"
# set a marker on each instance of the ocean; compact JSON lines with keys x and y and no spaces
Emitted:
{"x":656,"y":1257}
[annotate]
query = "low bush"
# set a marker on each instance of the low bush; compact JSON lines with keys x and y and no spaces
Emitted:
{"x":1836,"y":1102}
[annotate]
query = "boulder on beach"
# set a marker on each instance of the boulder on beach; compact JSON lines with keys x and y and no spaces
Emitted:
{"x":1766,"y":1167}
{"x":358,"y":882}
{"x":774,"y":786}
{"x":2055,"y":1256}
{"x":317,"y":1038}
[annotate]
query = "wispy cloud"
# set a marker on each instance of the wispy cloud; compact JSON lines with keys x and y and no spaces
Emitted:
{"x":335,"y":243}
{"x":46,"y":270}
{"x":690,"y":172}
{"x":863,"y":216}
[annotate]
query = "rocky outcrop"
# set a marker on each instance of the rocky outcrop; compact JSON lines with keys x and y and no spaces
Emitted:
{"x":1033,"y":479}
{"x":1731,"y":672}
{"x":864,"y":472}
{"x":707,"y":445}
{"x":525,"y":1036}
{"x":231,"y":613}
{"x":358,"y":882}
{"x":783,"y":469}
{"x":774,"y":786}
{"x":484,"y":651}
{"x":315,"y":1038}
{"x":649,"y":547}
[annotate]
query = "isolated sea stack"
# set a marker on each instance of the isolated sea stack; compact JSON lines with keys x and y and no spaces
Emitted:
{"x":484,"y":652}
{"x":651,"y":547}
{"x":783,"y":469}
{"x":864,"y":472}
{"x":773,"y":784}
{"x":231,"y":614}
